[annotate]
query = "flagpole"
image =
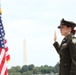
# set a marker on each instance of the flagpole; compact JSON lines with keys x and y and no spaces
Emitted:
{"x":0,"y":8}
{"x":0,"y":4}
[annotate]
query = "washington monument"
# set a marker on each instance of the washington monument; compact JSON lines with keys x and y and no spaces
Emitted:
{"x":24,"y":53}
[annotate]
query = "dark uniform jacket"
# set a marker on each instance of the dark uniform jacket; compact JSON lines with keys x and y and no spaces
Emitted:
{"x":67,"y":53}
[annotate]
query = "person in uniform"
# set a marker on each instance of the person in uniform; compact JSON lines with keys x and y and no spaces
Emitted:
{"x":67,"y":48}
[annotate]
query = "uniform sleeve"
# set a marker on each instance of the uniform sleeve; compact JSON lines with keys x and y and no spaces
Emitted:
{"x":56,"y":45}
{"x":72,"y":47}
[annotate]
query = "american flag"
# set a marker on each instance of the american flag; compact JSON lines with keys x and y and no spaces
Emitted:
{"x":4,"y":56}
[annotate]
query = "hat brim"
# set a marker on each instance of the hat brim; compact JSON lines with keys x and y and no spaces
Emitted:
{"x":59,"y":27}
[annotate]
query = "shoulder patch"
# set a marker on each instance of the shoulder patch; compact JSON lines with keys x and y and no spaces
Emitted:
{"x":74,"y":40}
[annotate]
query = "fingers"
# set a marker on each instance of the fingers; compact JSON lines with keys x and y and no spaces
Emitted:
{"x":55,"y":36}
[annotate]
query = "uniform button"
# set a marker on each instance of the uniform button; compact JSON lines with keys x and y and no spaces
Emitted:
{"x":65,"y":64}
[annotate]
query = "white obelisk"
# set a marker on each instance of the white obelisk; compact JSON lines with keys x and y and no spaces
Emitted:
{"x":24,"y":53}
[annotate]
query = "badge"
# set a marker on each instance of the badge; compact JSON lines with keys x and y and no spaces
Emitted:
{"x":74,"y":40}
{"x":65,"y":44}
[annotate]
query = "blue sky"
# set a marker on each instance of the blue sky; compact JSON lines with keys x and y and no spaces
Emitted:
{"x":35,"y":21}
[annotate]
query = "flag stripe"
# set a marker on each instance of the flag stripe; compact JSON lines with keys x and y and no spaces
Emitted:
{"x":7,"y":52}
{"x":2,"y":62}
{"x":6,"y":72}
{"x":4,"y":69}
{"x":1,"y":55}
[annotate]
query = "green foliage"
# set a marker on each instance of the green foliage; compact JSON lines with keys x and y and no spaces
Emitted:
{"x":31,"y":69}
{"x":56,"y":68}
{"x":36,"y":70}
{"x":27,"y":73}
{"x":45,"y":69}
{"x":24,"y":68}
{"x":15,"y":70}
{"x":16,"y":73}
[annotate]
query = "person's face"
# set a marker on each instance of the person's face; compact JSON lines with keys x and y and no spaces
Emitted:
{"x":64,"y":30}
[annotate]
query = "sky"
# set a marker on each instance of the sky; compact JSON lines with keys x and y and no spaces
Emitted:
{"x":35,"y":22}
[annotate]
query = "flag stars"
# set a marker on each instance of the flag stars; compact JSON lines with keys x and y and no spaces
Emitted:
{"x":1,"y":27}
{"x":1,"y":30}
{"x":3,"y":34}
{"x":1,"y":41}
{"x":0,"y":24}
{"x":0,"y":38}
{"x":3,"y":46}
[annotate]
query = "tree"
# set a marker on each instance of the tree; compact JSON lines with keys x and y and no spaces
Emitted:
{"x":56,"y":68}
{"x":36,"y":70}
{"x":27,"y":73}
{"x":14,"y":70}
{"x":44,"y":69}
{"x":24,"y":68}
{"x":30,"y":67}
{"x":16,"y":73}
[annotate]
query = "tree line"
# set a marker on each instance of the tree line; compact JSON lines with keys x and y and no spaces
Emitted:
{"x":31,"y":69}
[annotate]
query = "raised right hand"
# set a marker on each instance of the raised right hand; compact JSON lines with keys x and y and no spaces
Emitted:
{"x":55,"y":36}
